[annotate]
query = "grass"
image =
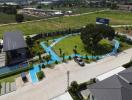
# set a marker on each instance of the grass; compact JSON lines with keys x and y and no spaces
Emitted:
{"x":10,"y":18}
{"x":62,"y":23}
{"x":9,"y":79}
{"x":67,"y":45}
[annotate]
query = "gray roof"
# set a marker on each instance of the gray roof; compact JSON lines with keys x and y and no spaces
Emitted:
{"x":13,"y":40}
{"x":113,"y":88}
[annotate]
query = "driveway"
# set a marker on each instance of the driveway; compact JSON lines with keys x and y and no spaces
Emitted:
{"x":55,"y":82}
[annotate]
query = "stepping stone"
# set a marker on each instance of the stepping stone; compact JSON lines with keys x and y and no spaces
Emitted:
{"x":3,"y":91}
{"x":7,"y":87}
{"x":13,"y":86}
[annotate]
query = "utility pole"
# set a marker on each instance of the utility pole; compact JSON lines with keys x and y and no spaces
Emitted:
{"x":68,"y":81}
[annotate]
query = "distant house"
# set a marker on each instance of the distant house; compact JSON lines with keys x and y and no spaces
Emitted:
{"x":15,"y":47}
{"x":117,"y":87}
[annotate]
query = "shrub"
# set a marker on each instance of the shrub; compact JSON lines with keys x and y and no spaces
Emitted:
{"x":19,"y":18}
{"x":70,"y":58}
{"x":56,"y":62}
{"x":43,"y":66}
{"x":127,"y":65}
{"x":86,"y":57}
{"x":40,"y":75}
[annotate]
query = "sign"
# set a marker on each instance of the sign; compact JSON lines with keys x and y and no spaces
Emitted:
{"x":102,"y":21}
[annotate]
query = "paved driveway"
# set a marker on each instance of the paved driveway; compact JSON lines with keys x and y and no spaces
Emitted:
{"x":55,"y":82}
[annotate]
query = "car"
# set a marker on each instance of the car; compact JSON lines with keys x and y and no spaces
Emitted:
{"x":79,"y":61}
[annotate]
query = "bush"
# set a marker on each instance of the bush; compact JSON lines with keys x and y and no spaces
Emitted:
{"x":43,"y":66}
{"x":40,"y":75}
{"x":70,"y":58}
{"x":86,"y":57}
{"x":56,"y":62}
{"x":19,"y":18}
{"x":127,"y":65}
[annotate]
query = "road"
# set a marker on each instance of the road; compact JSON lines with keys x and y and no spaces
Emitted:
{"x":55,"y":82}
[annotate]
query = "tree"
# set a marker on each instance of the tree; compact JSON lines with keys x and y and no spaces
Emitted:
{"x":29,"y":41}
{"x":47,"y":58}
{"x":63,"y":55}
{"x":74,"y":86}
{"x":60,"y":51}
{"x":92,"y":34}
{"x":19,"y":18}
{"x":39,"y":54}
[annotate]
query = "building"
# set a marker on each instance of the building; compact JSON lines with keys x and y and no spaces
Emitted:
{"x":15,"y":47}
{"x":125,"y":7}
{"x":116,"y":87}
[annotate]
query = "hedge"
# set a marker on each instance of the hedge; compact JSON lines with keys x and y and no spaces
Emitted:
{"x":40,"y":75}
{"x":127,"y":65}
{"x":15,"y":72}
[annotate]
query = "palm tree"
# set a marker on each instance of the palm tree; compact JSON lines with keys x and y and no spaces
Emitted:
{"x":29,"y":41}
{"x":63,"y":56}
{"x":60,"y":51}
{"x":47,"y":58}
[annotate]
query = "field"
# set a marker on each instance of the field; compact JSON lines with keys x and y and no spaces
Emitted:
{"x":8,"y":18}
{"x":62,"y":23}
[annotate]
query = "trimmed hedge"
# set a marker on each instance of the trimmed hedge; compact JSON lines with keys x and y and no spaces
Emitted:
{"x":15,"y":72}
{"x":40,"y":75}
{"x":127,"y":65}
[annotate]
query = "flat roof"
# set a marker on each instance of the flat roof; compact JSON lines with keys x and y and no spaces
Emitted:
{"x":13,"y":40}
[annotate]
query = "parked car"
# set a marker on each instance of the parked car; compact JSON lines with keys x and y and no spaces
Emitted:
{"x":79,"y":61}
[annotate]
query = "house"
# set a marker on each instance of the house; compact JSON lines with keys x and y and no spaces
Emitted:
{"x":116,"y":87}
{"x":15,"y":47}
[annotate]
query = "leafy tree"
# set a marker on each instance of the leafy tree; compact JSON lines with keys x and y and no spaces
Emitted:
{"x":74,"y":86}
{"x":92,"y":34}
{"x":29,"y":41}
{"x":60,"y":51}
{"x":19,"y":18}
{"x":63,"y":55}
{"x":47,"y":58}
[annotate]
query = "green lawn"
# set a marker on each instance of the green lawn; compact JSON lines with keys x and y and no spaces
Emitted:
{"x":8,"y":18}
{"x":66,"y":22}
{"x":9,"y":79}
{"x":67,"y":45}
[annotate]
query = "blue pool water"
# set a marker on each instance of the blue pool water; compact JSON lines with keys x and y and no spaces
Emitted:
{"x":33,"y":72}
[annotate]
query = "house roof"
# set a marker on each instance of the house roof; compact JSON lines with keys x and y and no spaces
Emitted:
{"x":112,"y":88}
{"x":13,"y":40}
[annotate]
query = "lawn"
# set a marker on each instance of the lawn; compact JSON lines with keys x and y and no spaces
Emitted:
{"x":9,"y":79}
{"x":67,"y":45}
{"x":8,"y":18}
{"x":66,"y":22}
